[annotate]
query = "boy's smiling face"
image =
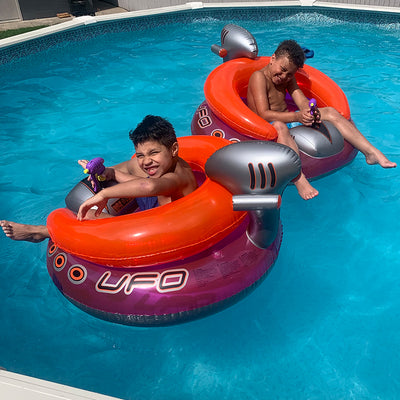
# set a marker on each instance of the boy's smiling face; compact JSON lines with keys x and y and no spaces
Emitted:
{"x":155,"y":159}
{"x":282,"y":70}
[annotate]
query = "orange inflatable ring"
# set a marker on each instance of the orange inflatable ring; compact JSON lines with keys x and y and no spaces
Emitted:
{"x":168,"y":233}
{"x":226,"y":86}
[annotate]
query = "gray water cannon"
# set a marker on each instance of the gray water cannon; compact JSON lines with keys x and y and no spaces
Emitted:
{"x":256,"y":173}
{"x":236,"y":42}
{"x":320,"y":141}
{"x":83,"y":190}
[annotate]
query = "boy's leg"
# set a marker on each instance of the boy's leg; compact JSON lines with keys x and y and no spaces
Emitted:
{"x":35,"y":233}
{"x":29,"y":233}
{"x":306,"y":191}
{"x":356,"y":138}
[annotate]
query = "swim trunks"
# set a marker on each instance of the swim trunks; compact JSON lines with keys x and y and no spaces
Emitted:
{"x":291,"y":125}
{"x":147,"y":203}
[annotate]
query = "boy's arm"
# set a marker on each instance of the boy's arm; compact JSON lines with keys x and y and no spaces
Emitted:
{"x":122,"y":172}
{"x":167,"y":185}
{"x":301,"y":101}
{"x":125,"y":171}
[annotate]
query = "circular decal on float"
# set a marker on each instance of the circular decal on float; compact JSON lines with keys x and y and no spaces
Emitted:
{"x":77,"y":274}
{"x":60,"y":261}
{"x":52,"y":250}
{"x":218,"y":133}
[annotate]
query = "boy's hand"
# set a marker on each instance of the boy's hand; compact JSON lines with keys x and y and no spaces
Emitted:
{"x":109,"y":174}
{"x":97,"y":200}
{"x":317,"y":116}
{"x":304,"y":117}
{"x":83,"y":163}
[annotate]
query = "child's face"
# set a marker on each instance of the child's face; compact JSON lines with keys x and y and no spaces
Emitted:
{"x":155,"y":159}
{"x":282,"y":70}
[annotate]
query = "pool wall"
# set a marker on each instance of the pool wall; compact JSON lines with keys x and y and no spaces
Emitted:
{"x":83,"y":28}
{"x":132,"y":5}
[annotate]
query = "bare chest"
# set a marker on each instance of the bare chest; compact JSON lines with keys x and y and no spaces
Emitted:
{"x":276,"y":99}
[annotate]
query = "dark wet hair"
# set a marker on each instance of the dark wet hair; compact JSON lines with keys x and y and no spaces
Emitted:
{"x":154,"y":128}
{"x":293,"y":51}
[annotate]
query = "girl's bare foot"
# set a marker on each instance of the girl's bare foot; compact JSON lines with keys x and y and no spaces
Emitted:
{"x":377,"y":157}
{"x":306,"y":191}
{"x":29,"y":233}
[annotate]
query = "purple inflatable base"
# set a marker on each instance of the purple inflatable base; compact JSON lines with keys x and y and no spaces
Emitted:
{"x":170,"y":319}
{"x":165,"y":294}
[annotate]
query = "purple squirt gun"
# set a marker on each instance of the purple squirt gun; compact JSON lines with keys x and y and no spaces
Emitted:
{"x":95,"y":168}
{"x":314,"y":110}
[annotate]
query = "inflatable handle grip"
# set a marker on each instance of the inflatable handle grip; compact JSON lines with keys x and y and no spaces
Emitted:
{"x":256,"y":202}
{"x":219,"y":51}
{"x":95,"y":168}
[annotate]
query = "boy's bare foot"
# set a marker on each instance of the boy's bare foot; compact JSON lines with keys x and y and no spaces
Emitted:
{"x":29,"y":233}
{"x":377,"y":157}
{"x":306,"y":191}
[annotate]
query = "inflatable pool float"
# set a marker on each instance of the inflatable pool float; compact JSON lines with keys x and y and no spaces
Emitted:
{"x":224,"y":112}
{"x":186,"y":259}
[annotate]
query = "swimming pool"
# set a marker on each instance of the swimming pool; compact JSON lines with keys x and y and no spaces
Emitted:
{"x":325,"y":322}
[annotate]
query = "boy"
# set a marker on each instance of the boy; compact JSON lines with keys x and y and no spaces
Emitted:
{"x":156,"y":158}
{"x":266,"y":97}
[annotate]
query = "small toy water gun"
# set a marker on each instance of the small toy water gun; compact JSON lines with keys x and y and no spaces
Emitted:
{"x":95,"y":168}
{"x":313,"y":109}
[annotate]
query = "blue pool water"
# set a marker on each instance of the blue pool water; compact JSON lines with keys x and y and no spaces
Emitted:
{"x":323,"y":325}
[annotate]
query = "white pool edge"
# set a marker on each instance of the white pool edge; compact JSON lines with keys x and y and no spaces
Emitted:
{"x":21,"y":387}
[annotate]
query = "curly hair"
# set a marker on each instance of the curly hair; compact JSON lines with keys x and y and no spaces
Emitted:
{"x":154,"y":128}
{"x":293,"y":51}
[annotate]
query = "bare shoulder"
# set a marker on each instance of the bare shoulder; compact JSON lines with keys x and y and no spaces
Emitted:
{"x":258,"y":77}
{"x":183,"y":167}
{"x":186,"y":175}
